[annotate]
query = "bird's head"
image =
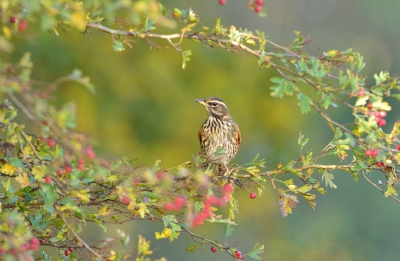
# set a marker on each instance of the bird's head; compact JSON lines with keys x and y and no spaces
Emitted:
{"x":215,"y":107}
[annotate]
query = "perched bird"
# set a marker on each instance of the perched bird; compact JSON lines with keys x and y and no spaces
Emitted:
{"x":219,"y":135}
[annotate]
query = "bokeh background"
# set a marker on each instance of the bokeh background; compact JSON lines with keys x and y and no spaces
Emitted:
{"x":144,"y":108}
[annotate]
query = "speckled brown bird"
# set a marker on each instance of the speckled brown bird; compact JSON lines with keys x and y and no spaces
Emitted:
{"x":218,"y":131}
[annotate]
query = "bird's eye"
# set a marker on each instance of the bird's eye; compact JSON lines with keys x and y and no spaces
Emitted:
{"x":214,"y":104}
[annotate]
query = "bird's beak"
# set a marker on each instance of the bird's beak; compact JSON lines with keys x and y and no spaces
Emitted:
{"x":201,"y":101}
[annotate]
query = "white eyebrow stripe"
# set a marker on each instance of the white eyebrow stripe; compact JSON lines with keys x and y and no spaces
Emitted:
{"x":219,"y":102}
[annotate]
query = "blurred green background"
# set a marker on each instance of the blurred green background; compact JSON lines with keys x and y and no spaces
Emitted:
{"x":144,"y":108}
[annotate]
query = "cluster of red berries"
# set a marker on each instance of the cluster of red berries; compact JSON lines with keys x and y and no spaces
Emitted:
{"x":258,"y":6}
{"x":22,"y":24}
{"x":68,"y":251}
{"x":378,"y":115}
{"x":33,"y":245}
{"x":179,"y":202}
{"x":210,"y":201}
{"x":371,"y":153}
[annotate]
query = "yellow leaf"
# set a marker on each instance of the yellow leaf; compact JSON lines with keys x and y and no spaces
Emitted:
{"x":113,"y":255}
{"x":7,"y":32}
{"x":38,"y":172}
{"x":23,"y":180}
{"x":165,"y":234}
{"x":82,"y":195}
{"x":8,"y":169}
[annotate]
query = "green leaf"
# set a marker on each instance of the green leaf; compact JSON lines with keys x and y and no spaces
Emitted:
{"x":186,"y":57}
{"x":304,"y":103}
{"x":257,"y":250}
{"x":118,"y":46}
{"x":14,"y":161}
{"x":301,"y":141}
{"x":283,"y":87}
{"x":229,"y":230}
{"x":328,"y":177}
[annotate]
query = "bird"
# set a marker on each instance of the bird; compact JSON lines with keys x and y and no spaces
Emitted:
{"x":219,"y":135}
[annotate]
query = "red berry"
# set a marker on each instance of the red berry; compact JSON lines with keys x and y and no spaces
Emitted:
{"x":374,"y":153}
{"x":213,"y":249}
{"x":398,"y":147}
{"x":67,"y":252}
{"x":380,"y":164}
{"x":51,"y":143}
{"x":23,"y":24}
{"x":381,"y":122}
{"x":47,"y":179}
{"x":253,"y":195}
{"x":46,"y":123}
{"x":369,"y":105}
{"x":81,"y":161}
{"x":68,"y":168}
{"x":179,"y":202}
{"x":382,"y":114}
{"x":259,"y":2}
{"x":60,"y":172}
{"x":238,"y":254}
{"x":34,"y":244}
{"x":258,"y":8}
{"x":368,"y":153}
{"x":222,"y":2}
{"x":360,"y":92}
{"x":12,"y":19}
{"x":126,"y":200}
{"x":169,"y":207}
{"x":42,"y":241}
{"x":71,"y":249}
{"x":90,"y":152}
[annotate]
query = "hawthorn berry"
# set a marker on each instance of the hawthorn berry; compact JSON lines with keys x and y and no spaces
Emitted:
{"x":51,"y":143}
{"x":22,"y":25}
{"x":374,"y":153}
{"x":258,"y":8}
{"x":360,"y":92}
{"x":47,"y":179}
{"x":169,"y":206}
{"x":398,"y":147}
{"x":34,"y":244}
{"x":381,"y":122}
{"x":213,"y":249}
{"x":60,"y":172}
{"x":12,"y":20}
{"x":253,"y":195}
{"x":259,"y":2}
{"x":238,"y":254}
{"x":68,"y":168}
{"x":380,"y":164}
{"x":71,"y":249}
{"x":369,"y":105}
{"x":42,"y":241}
{"x":179,"y":202}
{"x":126,"y":200}
{"x":368,"y":153}
{"x":382,"y":114}
{"x":222,"y":2}
{"x":67,"y":252}
{"x":90,"y":152}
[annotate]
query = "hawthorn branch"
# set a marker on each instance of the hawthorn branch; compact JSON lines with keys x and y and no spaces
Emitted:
{"x":376,"y":186}
{"x":78,"y":238}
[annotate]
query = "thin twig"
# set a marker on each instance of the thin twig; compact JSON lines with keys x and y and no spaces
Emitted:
{"x":376,"y":186}
{"x":79,"y":238}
